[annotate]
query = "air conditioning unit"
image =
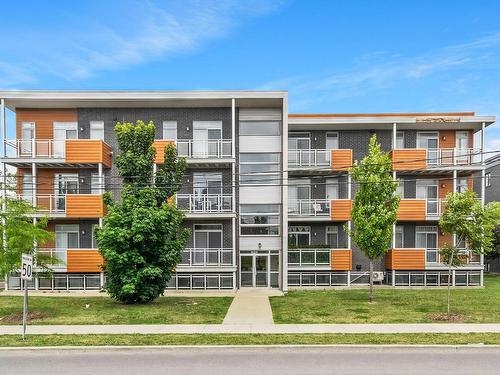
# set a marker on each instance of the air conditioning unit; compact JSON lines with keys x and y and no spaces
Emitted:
{"x":378,"y":276}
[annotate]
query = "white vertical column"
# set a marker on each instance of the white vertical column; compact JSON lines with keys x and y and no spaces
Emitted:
{"x":394,"y":176}
{"x":394,"y":135}
{"x":454,"y":236}
{"x":101,"y":186}
{"x":483,"y":187}
{"x":34,"y":183}
{"x":4,"y":126}
{"x":4,"y":176}
{"x":284,"y":211}
{"x":233,"y":189}
{"x":349,"y":196}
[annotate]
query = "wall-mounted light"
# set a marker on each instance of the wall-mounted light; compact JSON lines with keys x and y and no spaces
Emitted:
{"x":260,"y":245}
{"x":358,"y":267}
{"x":82,"y":180}
{"x":187,"y":129}
{"x":83,"y":232}
{"x":444,"y":138}
{"x":314,"y":234}
{"x":81,"y":129}
{"x":443,"y":186}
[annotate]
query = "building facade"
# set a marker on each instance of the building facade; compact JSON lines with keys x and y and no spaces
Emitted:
{"x":267,"y":195}
{"x":492,"y":194}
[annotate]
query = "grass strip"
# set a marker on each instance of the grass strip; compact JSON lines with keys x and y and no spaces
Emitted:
{"x":250,"y":339}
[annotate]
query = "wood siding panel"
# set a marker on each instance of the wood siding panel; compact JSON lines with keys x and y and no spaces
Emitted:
{"x":159,"y":146}
{"x":341,"y":260}
{"x":84,"y":260}
{"x":411,"y":209}
{"x":405,"y":259}
{"x":341,"y":209}
{"x":341,"y":160}
{"x":445,"y":187}
{"x":447,"y":139}
{"x":444,"y":239}
{"x":44,"y":120}
{"x":85,"y":205}
{"x":408,"y":159}
{"x":88,"y":151}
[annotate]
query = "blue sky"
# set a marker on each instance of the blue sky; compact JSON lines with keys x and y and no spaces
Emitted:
{"x":332,"y":56}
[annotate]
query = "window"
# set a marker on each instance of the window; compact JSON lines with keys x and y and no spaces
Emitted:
{"x":207,"y":183}
{"x":332,"y":141}
{"x":487,"y":179}
{"x":400,"y":139}
{"x":97,"y":130}
{"x":28,"y":187}
{"x":260,"y":128}
{"x":94,"y":242}
{"x":462,"y":185}
{"x":260,"y":219}
{"x":263,"y":168}
{"x":170,"y":130}
{"x":399,"y":236}
{"x":299,"y":236}
{"x":332,"y":188}
{"x":96,"y":185}
{"x":400,"y":188}
{"x":332,"y":237}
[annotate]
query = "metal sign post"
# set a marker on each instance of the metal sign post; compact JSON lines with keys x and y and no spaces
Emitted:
{"x":26,"y":275}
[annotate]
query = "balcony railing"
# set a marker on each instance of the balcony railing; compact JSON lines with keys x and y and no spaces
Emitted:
{"x":433,"y":257}
{"x":205,"y":203}
{"x":207,"y":257}
{"x":309,"y":207}
{"x":452,"y":156}
{"x":58,"y":256}
{"x":309,"y":257}
{"x":46,"y":203}
{"x":35,"y":148}
{"x":309,"y":158}
{"x":205,"y":149}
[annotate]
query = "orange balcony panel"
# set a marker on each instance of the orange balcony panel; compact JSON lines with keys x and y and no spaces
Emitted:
{"x":88,"y":151}
{"x":88,"y":260}
{"x":411,"y":209}
{"x":341,"y":259}
{"x":341,"y":209}
{"x":405,"y":259}
{"x":341,"y":160}
{"x":159,"y":146}
{"x":408,"y":159}
{"x":85,"y":205}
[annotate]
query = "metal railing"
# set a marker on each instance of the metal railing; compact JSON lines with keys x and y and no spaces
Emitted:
{"x":46,"y":203}
{"x":35,"y":148}
{"x":309,"y":158}
{"x":433,"y":256}
{"x":309,"y":207}
{"x":58,"y":256}
{"x":435,"y":206}
{"x":207,"y":257}
{"x":204,"y":149}
{"x":309,"y":257}
{"x":452,"y":156}
{"x":204,"y":203}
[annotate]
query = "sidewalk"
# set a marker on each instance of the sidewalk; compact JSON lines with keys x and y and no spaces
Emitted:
{"x":251,"y":307}
{"x":250,"y":328}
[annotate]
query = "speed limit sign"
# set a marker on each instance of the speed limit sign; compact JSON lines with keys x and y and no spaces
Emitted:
{"x":27,"y":267}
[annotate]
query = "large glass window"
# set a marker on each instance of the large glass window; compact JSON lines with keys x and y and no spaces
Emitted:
{"x":259,"y":168}
{"x":399,"y":235}
{"x":299,"y":236}
{"x":260,"y":219}
{"x":332,"y":237}
{"x":462,"y":185}
{"x":332,"y":141}
{"x":400,"y":139}
{"x":170,"y":130}
{"x":332,"y":188}
{"x":259,"y":128}
{"x":97,"y":130}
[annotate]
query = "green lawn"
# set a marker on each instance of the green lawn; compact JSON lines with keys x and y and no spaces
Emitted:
{"x":392,"y":305}
{"x":103,"y":310}
{"x":251,"y":339}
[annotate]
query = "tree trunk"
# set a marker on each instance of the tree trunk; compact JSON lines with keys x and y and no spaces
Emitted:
{"x":449,"y":286}
{"x":372,"y":292}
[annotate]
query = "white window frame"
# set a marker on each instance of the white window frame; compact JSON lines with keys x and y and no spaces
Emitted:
{"x":296,"y":229}
{"x":267,"y":177}
{"x":169,"y":126}
{"x":336,"y":136}
{"x":400,"y":139}
{"x":254,"y":214}
{"x":487,"y":179}
{"x":332,"y":229}
{"x":97,"y":126}
{"x":399,"y":230}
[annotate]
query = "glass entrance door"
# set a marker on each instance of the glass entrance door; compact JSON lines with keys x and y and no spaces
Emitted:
{"x":462,"y":144}
{"x":254,"y":270}
{"x":207,"y":136}
{"x":429,"y":141}
{"x":63,"y":131}
{"x":64,"y":183}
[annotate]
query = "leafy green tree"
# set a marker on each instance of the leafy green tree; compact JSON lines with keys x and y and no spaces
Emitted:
{"x":472,"y":224}
{"x":375,"y":205}
{"x":142,"y":236}
{"x":19,"y":235}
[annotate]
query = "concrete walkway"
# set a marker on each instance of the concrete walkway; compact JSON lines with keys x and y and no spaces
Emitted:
{"x":251,"y":328}
{"x":251,"y":306}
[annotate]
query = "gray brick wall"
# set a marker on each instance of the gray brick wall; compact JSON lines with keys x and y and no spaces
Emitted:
{"x":358,"y":141}
{"x":86,"y":239}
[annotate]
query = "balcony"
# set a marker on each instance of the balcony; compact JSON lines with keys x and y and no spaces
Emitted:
{"x":203,"y":204}
{"x":194,"y":150}
{"x":335,"y":259}
{"x":74,"y":260}
{"x":320,"y":209}
{"x":421,"y":209}
{"x":79,"y":152}
{"x":68,"y":205}
{"x":420,"y":259}
{"x":206,"y":257}
{"x":468,"y":257}
{"x":337,"y":160}
{"x":421,"y":158}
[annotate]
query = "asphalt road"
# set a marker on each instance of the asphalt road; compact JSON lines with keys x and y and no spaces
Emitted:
{"x":276,"y":361}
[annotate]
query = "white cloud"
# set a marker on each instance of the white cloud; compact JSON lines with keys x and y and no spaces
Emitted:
{"x":131,"y":34}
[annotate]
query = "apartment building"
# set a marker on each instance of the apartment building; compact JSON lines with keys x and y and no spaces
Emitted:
{"x":492,"y":194}
{"x":267,"y":195}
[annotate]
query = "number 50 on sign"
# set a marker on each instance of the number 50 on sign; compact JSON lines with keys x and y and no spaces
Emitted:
{"x":27,"y":267}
